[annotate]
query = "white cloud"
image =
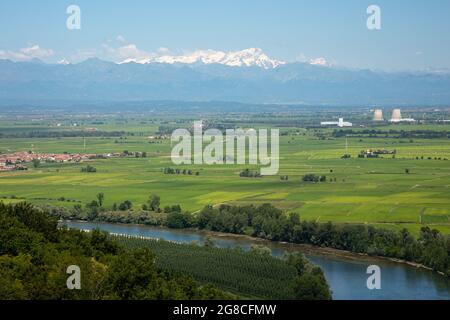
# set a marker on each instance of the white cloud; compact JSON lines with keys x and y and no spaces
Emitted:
{"x":131,"y":51}
{"x":301,"y":58}
{"x":36,"y":51}
{"x":123,"y":51}
{"x":163,"y":50}
{"x":11,"y":55}
{"x":27,"y":54}
{"x":83,"y":54}
{"x":121,"y":39}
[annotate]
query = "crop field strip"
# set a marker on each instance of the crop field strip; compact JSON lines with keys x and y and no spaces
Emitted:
{"x":251,"y":274}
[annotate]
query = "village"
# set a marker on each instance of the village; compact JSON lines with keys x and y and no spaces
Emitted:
{"x":15,"y":161}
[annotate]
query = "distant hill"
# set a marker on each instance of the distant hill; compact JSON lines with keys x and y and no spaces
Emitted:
{"x":293,"y":83}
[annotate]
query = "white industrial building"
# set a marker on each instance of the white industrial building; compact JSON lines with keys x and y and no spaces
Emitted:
{"x":341,"y":123}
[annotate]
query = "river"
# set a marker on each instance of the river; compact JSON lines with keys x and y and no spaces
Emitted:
{"x":347,"y":276}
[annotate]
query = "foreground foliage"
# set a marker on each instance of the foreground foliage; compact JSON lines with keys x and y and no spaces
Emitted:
{"x":34,"y":256}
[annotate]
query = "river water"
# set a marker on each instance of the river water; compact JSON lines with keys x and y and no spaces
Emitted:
{"x":347,"y":276}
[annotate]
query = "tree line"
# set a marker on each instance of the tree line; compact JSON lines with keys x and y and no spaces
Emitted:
{"x":431,"y":248}
{"x":247,"y":173}
{"x":392,"y":133}
{"x":180,"y":171}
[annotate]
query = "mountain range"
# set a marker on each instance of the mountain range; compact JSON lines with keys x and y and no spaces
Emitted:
{"x":247,"y":76}
{"x":248,"y":58}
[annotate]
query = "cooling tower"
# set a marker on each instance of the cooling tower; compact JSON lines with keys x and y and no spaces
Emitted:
{"x":378,"y":115}
{"x":396,"y":115}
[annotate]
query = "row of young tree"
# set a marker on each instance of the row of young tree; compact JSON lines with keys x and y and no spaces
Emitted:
{"x":89,"y":169}
{"x":392,"y":133}
{"x":310,"y":177}
{"x":35,"y":255}
{"x":313,"y":178}
{"x":255,"y":273}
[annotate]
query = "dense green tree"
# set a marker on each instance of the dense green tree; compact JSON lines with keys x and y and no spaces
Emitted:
{"x":89,"y":169}
{"x":126,"y":205}
{"x":298,"y":260}
{"x":36,"y":163}
{"x":100,"y":198}
{"x":154,"y":202}
{"x":311,"y":286}
{"x":93,"y":209}
{"x":177,"y":220}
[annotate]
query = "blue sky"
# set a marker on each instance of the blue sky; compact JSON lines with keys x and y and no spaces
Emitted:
{"x":414,"y":35}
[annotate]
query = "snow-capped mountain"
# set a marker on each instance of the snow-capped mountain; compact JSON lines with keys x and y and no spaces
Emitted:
{"x":63,"y":61}
{"x":34,"y":82}
{"x":248,"y":57}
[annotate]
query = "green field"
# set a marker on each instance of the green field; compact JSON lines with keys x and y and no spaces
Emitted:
{"x":372,"y":191}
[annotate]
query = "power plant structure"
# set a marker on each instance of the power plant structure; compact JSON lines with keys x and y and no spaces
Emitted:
{"x":397,"y":117}
{"x":378,"y":115}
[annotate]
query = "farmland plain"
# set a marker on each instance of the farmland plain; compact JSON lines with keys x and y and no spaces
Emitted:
{"x":409,"y":190}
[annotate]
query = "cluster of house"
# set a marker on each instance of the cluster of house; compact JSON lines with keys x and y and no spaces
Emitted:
{"x":14,"y":161}
{"x":160,"y":137}
{"x":369,"y":153}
